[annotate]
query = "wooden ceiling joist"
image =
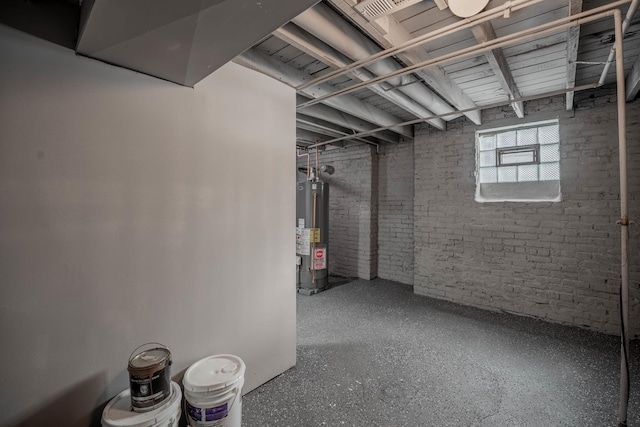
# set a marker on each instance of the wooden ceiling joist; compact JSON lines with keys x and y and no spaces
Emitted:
{"x":498,"y":62}
{"x":633,"y":81}
{"x":573,"y":39}
{"x":388,"y":32}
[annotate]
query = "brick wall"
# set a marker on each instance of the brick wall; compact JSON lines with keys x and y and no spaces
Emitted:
{"x":395,"y":213}
{"x":555,"y":261}
{"x":353,"y":222}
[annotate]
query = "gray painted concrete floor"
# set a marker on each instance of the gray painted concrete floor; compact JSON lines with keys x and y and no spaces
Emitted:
{"x":371,"y":353}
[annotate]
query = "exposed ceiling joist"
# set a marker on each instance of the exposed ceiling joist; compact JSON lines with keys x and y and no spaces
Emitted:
{"x":498,"y":62}
{"x":328,"y":114}
{"x":573,"y":40}
{"x":394,"y":34}
{"x":265,"y":64}
{"x":442,"y":4}
{"x":330,"y":27}
{"x":319,"y":50}
{"x":633,"y":81}
{"x":310,"y":137}
{"x":319,"y":126}
{"x":307,"y":138}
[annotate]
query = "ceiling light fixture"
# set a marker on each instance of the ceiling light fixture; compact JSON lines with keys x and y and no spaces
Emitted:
{"x":467,"y":8}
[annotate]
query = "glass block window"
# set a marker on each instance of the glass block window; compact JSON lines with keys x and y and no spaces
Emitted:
{"x":519,"y":154}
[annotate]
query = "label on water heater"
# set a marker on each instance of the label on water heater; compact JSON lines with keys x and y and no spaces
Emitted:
{"x":303,"y":246}
{"x":300,"y":222}
{"x":320,"y":258}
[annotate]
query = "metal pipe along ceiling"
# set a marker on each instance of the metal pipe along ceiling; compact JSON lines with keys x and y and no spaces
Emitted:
{"x":485,"y":16}
{"x":510,"y":39}
{"x":265,"y":64}
{"x":311,"y":45}
{"x":331,"y":28}
{"x":633,"y":7}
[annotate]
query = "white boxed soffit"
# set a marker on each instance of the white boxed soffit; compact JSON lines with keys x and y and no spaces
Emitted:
{"x":374,"y":9}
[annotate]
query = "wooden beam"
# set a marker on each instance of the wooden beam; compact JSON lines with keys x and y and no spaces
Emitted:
{"x":340,"y":118}
{"x":324,"y":128}
{"x":573,"y":40}
{"x":498,"y":62}
{"x":388,"y":33}
{"x":442,"y":4}
{"x":256,"y":60}
{"x":633,"y":81}
{"x":322,"y":52}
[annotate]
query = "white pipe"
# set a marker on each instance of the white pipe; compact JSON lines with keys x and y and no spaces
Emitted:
{"x":624,"y":219}
{"x":493,"y":105}
{"x":625,"y":25}
{"x":328,"y":114}
{"x":265,"y":64}
{"x":548,"y":28}
{"x":508,"y":6}
{"x":311,"y":126}
{"x":328,"y":26}
{"x":315,"y":47}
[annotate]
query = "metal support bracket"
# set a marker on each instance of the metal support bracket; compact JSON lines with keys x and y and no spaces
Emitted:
{"x":625,"y":221}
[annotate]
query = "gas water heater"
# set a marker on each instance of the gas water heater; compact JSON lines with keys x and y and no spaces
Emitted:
{"x":312,"y":234}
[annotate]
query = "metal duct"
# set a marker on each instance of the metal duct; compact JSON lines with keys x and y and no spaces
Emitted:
{"x":331,"y":28}
{"x":257,"y":60}
{"x":324,"y":112}
{"x":318,"y":49}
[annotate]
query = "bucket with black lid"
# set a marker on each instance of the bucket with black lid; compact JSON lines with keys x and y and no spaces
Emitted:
{"x":149,"y":376}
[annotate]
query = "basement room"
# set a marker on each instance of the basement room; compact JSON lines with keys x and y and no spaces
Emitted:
{"x":297,"y":213}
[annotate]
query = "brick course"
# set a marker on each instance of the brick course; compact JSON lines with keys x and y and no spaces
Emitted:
{"x":556,"y":261}
{"x":408,"y":214}
{"x":395,"y":213}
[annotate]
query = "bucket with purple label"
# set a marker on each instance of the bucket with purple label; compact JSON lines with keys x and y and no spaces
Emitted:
{"x":213,"y":391}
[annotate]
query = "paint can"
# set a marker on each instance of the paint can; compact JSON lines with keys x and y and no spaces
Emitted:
{"x":118,"y":412}
{"x":149,"y":376}
{"x":213,"y":391}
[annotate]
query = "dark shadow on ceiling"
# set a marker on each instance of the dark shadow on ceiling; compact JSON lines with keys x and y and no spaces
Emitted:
{"x":53,"y":20}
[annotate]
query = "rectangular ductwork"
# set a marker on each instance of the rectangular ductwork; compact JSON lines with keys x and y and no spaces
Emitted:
{"x":374,"y":9}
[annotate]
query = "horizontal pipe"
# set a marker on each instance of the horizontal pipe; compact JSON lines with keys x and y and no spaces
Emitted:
{"x":331,"y":29}
{"x":318,"y":49}
{"x":256,"y":60}
{"x":540,"y":30}
{"x":494,"y":105}
{"x":625,"y":25}
{"x":326,"y":130}
{"x":433,"y":35}
{"x":337,"y":117}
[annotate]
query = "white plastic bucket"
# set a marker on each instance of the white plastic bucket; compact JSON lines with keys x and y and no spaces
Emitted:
{"x":118,"y":412}
{"x":213,"y":391}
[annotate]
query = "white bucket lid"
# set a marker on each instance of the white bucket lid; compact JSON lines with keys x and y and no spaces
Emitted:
{"x":118,"y":412}
{"x":213,"y":373}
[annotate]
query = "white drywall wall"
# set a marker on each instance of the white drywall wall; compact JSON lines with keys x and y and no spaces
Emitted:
{"x":135,"y":210}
